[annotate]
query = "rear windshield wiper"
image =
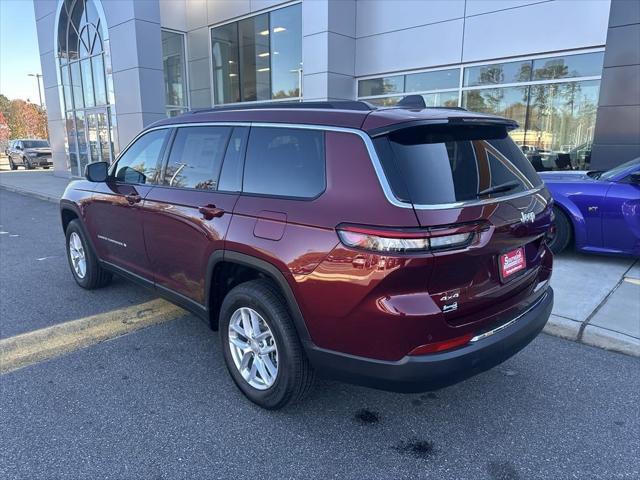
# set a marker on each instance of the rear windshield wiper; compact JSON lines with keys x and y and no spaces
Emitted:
{"x":503,"y":187}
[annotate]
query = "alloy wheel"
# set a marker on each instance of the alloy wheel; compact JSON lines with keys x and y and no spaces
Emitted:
{"x":253,"y":348}
{"x":77,"y":255}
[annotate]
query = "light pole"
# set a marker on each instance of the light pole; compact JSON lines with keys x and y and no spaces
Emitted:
{"x":38,"y":76}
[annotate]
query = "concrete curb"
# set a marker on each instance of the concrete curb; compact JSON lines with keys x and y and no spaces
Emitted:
{"x":610,"y":340}
{"x":562,"y":327}
{"x":31,"y":193}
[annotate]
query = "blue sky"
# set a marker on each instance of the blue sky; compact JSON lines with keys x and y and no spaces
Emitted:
{"x":19,"y":54}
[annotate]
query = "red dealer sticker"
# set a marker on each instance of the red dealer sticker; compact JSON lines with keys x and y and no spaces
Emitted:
{"x":512,"y":262}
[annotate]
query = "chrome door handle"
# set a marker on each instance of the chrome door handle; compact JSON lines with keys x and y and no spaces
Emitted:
{"x":209,"y":212}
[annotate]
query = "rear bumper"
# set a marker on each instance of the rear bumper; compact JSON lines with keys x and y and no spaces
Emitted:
{"x":430,"y":372}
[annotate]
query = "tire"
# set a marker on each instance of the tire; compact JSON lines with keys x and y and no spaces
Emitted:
{"x":94,"y":275}
{"x":563,"y":233}
{"x":26,"y":163}
{"x":295,"y":375}
{"x":12,"y":165}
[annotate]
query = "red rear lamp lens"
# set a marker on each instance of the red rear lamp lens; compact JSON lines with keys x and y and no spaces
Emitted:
{"x":442,"y":346}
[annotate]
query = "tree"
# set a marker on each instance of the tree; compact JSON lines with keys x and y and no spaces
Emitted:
{"x":5,"y":131}
{"x":25,"y":119}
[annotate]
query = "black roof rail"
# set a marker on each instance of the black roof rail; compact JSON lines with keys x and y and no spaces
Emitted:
{"x":417,"y":101}
{"x":337,"y":105}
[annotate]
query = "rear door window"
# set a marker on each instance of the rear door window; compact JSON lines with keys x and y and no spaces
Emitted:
{"x":285,"y":162}
{"x":431,"y":165}
{"x":196,"y":157}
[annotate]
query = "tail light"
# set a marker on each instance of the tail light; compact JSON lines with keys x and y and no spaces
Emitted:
{"x":405,"y":241}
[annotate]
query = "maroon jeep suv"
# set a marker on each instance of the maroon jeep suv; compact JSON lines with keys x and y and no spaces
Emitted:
{"x":398,"y":248}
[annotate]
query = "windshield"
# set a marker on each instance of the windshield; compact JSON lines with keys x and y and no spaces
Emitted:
{"x":440,"y":164}
{"x":609,"y":174}
{"x":35,"y":143}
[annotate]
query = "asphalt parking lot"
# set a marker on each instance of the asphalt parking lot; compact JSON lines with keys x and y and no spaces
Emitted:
{"x":159,"y":404}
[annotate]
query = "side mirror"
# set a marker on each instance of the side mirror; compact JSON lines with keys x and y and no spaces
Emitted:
{"x":96,"y":172}
{"x":635,"y":178}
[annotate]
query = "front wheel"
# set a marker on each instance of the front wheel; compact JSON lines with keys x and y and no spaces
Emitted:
{"x":12,"y":165}
{"x":261,"y":346}
{"x":26,"y":163}
{"x":85,"y":268}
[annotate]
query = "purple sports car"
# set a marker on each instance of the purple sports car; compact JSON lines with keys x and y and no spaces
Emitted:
{"x":598,"y":212}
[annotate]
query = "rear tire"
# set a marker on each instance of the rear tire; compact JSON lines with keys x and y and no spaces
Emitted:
{"x":295,"y":375}
{"x":563,"y":233}
{"x":79,"y":254}
{"x":12,"y":165}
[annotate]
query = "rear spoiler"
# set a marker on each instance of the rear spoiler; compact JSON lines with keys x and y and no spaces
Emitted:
{"x":453,"y":121}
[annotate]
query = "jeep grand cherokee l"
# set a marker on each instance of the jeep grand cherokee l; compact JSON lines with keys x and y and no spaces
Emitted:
{"x":29,"y":153}
{"x":398,"y":248}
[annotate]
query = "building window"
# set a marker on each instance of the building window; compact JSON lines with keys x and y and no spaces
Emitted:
{"x":439,"y":88}
{"x":553,"y":99}
{"x":86,"y":87}
{"x":175,"y":77}
{"x":258,"y":58}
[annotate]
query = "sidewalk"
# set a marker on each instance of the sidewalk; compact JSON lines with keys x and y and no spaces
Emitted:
{"x":37,"y":183}
{"x":597,"y":298}
{"x":597,"y":301}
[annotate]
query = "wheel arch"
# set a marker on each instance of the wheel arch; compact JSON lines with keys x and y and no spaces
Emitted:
{"x":249,"y":268}
{"x":576,"y":221}
{"x":69,"y":211}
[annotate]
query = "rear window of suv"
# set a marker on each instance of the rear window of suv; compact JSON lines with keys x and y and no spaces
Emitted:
{"x":441,"y":164}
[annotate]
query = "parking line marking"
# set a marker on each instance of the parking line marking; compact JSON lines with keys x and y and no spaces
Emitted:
{"x":32,"y":347}
{"x":635,"y":281}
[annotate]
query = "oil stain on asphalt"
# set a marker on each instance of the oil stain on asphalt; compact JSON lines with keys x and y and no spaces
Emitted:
{"x":502,"y":471}
{"x":367,"y":417}
{"x":417,"y":448}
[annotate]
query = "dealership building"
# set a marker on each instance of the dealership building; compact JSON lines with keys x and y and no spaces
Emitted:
{"x":568,"y":71}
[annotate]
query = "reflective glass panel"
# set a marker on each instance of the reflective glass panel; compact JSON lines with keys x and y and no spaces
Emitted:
{"x":87,"y":82}
{"x":226,"y":79}
{"x":441,"y":99}
{"x":66,"y":87}
{"x":286,"y":51}
{"x":509,"y":102}
{"x":83,"y":148}
{"x":98,"y":80}
{"x":253,"y":34}
{"x":440,"y":80}
{"x":497,"y":73}
{"x":384,"y":101}
{"x":562,"y":118}
{"x":76,"y":85}
{"x":381,"y":86}
{"x":583,"y":65}
{"x":175,"y":82}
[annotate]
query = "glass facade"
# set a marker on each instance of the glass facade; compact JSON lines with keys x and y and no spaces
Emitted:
{"x":258,"y":58}
{"x":86,"y":86}
{"x":553,"y":99}
{"x":175,"y":76}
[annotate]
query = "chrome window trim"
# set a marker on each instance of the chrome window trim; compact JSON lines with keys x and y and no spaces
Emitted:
{"x":373,"y":156}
